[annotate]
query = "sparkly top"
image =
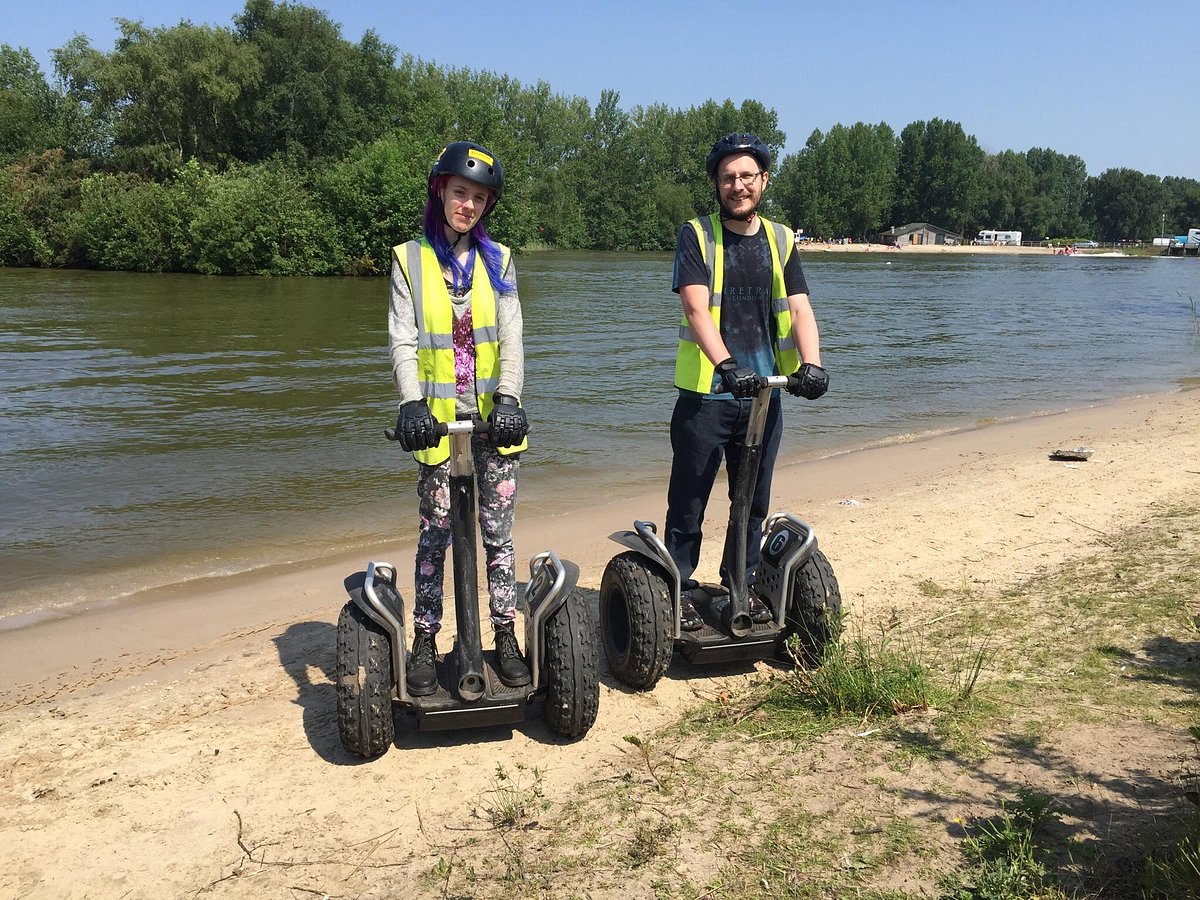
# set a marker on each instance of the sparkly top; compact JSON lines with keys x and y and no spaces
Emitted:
{"x":464,"y":353}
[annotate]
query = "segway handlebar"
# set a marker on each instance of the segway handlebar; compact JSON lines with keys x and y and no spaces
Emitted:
{"x":441,"y":429}
{"x":770,"y":381}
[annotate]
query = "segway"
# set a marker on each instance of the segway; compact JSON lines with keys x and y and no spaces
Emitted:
{"x":640,"y":592}
{"x":372,"y":638}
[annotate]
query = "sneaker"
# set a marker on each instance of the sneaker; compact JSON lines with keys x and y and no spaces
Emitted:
{"x":689,"y":618}
{"x":422,"y":676}
{"x":509,"y":662}
{"x":760,"y":613}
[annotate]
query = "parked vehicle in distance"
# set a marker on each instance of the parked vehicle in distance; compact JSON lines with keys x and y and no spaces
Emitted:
{"x":1003,"y":238}
{"x":1184,"y":244}
{"x":1085,"y":245}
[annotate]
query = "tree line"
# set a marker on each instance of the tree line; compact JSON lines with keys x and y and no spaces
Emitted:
{"x":278,"y":147}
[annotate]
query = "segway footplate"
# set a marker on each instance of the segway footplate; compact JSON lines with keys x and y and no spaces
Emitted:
{"x":712,"y":644}
{"x":441,"y":710}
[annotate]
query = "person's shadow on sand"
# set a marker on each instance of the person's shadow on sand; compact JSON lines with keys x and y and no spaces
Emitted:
{"x":308,"y":645}
{"x":302,"y":646}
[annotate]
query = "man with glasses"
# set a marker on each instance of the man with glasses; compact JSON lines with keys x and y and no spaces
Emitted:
{"x":745,"y":313}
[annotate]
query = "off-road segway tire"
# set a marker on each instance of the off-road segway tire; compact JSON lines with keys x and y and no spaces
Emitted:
{"x":815,"y":613}
{"x":364,"y":684}
{"x":636,"y":619}
{"x":573,"y":681}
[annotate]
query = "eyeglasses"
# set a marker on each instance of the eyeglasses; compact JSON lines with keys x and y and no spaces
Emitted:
{"x":746,"y":180}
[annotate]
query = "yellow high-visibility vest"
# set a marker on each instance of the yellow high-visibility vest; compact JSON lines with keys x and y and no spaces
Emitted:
{"x":435,"y":338}
{"x":694,"y":370}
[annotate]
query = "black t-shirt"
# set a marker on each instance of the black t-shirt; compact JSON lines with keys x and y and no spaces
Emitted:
{"x":747,"y":323}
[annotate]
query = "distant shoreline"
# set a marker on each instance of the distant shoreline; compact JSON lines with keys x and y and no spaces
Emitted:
{"x":989,"y":250}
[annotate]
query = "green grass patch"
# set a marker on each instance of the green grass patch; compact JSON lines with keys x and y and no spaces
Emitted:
{"x":1010,"y":855}
{"x":844,"y":778}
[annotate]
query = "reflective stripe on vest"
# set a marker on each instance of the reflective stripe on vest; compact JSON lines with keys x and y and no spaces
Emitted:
{"x":435,"y":338}
{"x":694,"y":370}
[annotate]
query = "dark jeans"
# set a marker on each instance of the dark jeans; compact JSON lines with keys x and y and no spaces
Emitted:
{"x":702,"y":431}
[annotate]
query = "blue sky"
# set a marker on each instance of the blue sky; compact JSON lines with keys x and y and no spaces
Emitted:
{"x":1114,"y":83}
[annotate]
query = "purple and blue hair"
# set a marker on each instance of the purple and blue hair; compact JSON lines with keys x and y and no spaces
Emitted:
{"x":432,"y":224}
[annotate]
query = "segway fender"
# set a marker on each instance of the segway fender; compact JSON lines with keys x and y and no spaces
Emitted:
{"x":551,"y":581}
{"x":631,"y":540}
{"x":375,"y":593}
{"x":787,"y":544}
{"x":644,"y":539}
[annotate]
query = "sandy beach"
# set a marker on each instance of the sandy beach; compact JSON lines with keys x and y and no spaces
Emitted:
{"x":145,"y":746}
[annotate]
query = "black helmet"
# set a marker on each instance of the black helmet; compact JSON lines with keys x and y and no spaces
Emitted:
{"x":473,"y":162}
{"x":738,"y":142}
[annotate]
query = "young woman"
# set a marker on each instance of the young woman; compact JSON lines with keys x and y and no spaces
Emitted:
{"x":454,"y":325}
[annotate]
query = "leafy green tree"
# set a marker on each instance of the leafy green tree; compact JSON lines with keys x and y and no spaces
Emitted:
{"x":1007,"y":189}
{"x":939,"y":174}
{"x":171,"y":94}
{"x":561,"y":221}
{"x":262,"y":220}
{"x":611,"y":180}
{"x":377,"y":195}
{"x":1181,"y":205}
{"x":319,"y":95}
{"x":28,"y":106}
{"x":276,"y":146}
{"x":873,"y":153}
{"x":21,"y":242}
{"x":551,"y":128}
{"x":1056,"y":205}
{"x":841,"y":183}
{"x":46,"y":188}
{"x":1126,"y":204}
{"x":808,"y":185}
{"x":129,"y":224}
{"x":87,"y":115}
{"x":647,"y":164}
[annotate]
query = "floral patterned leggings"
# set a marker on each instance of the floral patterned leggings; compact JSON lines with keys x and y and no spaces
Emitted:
{"x":496,"y":480}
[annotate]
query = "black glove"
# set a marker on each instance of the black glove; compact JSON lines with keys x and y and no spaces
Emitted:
{"x":739,"y":381}
{"x":415,"y":427}
{"x":809,"y":381}
{"x":507,"y":421}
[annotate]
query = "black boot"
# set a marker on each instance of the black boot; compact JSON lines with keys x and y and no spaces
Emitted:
{"x":422,"y":676}
{"x":509,"y":663}
{"x":760,"y":613}
{"x":689,"y":618}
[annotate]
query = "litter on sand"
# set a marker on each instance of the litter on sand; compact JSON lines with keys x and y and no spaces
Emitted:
{"x":850,"y":501}
{"x":1077,"y":453}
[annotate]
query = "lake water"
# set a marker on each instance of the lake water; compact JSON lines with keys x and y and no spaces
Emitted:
{"x":160,"y":428}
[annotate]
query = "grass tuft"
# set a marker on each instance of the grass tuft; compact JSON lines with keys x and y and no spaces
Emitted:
{"x":513,"y":797}
{"x":862,"y":677}
{"x":1010,"y":856}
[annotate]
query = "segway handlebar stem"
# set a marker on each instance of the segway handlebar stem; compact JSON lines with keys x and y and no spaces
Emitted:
{"x":468,"y":653}
{"x":738,"y":610}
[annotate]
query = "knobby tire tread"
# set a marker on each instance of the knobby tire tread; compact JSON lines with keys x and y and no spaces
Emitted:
{"x":816,"y":608}
{"x":364,"y":711}
{"x":573,"y":682}
{"x":643,"y":584}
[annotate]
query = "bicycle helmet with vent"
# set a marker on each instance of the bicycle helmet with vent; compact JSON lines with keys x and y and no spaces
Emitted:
{"x":738,"y":142}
